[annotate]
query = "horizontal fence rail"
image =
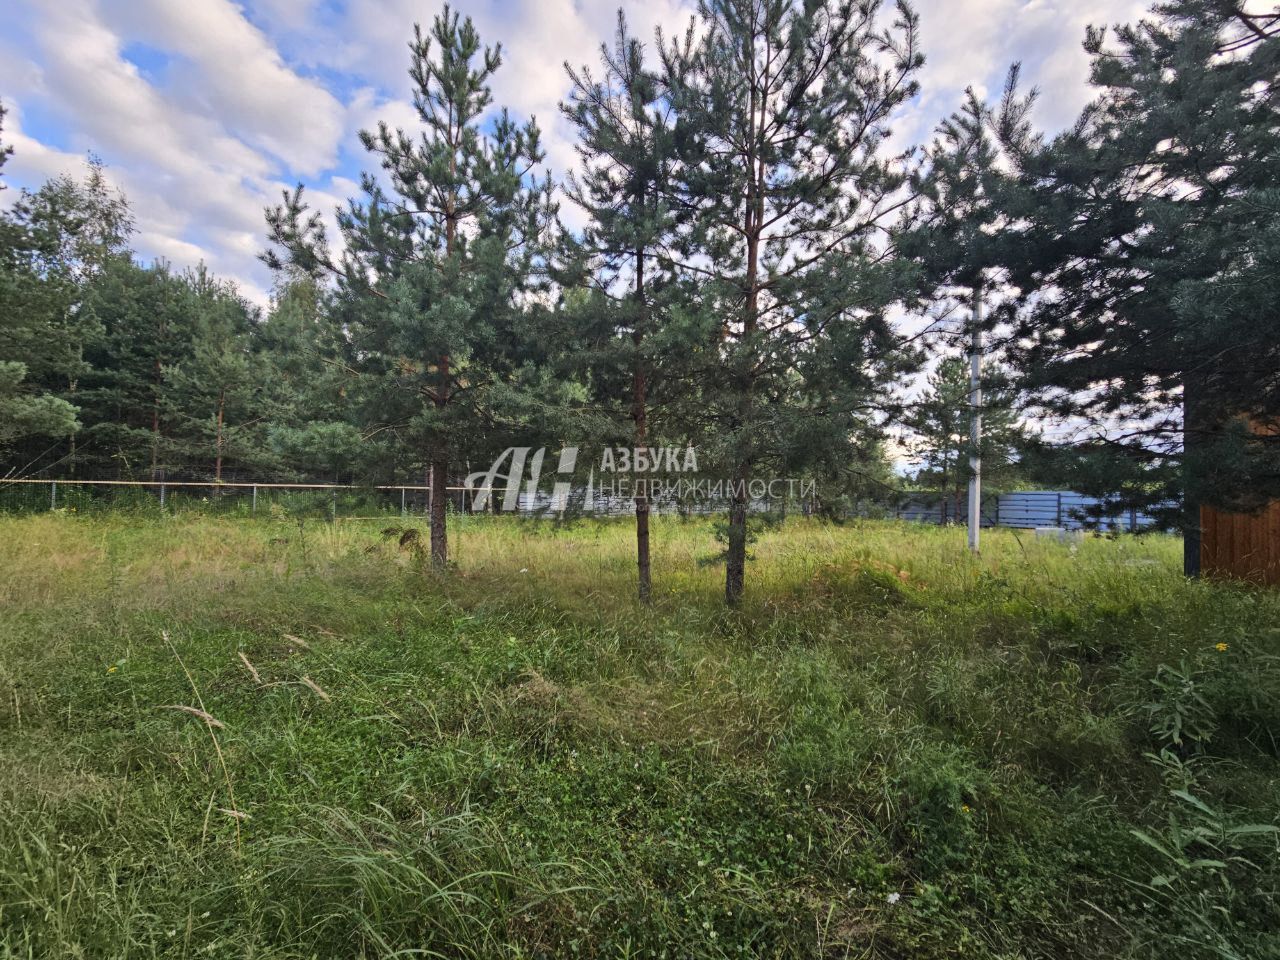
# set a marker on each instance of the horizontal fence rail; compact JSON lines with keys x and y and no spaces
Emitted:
{"x":340,"y":501}
{"x":1025,"y":509}
{"x":337,"y":500}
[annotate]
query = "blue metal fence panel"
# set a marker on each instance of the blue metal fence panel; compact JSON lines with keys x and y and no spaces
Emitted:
{"x":1027,"y":509}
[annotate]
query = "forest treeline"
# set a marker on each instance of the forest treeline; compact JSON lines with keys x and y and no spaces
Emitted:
{"x":752,"y":243}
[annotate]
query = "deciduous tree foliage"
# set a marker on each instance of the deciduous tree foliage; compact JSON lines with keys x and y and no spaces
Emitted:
{"x":54,"y":243}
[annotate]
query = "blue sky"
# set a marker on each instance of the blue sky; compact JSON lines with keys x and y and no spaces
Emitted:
{"x":203,"y":110}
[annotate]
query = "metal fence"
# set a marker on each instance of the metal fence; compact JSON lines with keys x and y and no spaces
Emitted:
{"x":1027,"y":509}
{"x":337,"y":501}
{"x":1019,"y":509}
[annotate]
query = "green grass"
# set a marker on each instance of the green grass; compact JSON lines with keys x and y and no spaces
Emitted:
{"x":892,"y":750}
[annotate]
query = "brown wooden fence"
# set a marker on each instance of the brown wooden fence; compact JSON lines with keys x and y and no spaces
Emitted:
{"x":1241,"y":545}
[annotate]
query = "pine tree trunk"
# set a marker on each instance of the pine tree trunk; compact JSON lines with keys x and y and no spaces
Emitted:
{"x":735,"y":573}
{"x":1190,"y":499}
{"x":438,"y":481}
{"x":639,"y":415}
{"x":71,"y":437}
{"x":155,"y":421}
{"x":217,"y":463}
{"x":439,"y":459}
{"x":438,"y":493}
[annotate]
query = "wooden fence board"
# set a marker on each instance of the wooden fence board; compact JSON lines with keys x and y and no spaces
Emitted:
{"x":1245,"y":546}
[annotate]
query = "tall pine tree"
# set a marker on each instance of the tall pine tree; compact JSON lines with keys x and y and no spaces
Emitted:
{"x":957,"y":232}
{"x":784,"y":109}
{"x":432,"y":270}
{"x":625,"y":126}
{"x":1151,"y":234}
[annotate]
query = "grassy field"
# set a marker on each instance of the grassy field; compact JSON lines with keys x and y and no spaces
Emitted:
{"x":271,"y":739}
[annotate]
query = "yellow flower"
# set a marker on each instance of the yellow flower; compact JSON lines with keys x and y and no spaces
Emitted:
{"x":965,"y":808}
{"x":111,"y":669}
{"x":1221,"y":647}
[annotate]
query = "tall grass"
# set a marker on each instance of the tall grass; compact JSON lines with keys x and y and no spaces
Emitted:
{"x":893,"y":749}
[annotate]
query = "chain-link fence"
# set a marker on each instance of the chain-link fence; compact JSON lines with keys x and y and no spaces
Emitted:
{"x":335,"y":501}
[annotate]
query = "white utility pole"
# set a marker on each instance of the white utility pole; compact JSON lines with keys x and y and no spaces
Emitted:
{"x":975,"y":420}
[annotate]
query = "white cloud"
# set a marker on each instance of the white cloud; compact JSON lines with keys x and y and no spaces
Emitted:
{"x":239,"y":110}
{"x":197,"y":170}
{"x":973,"y":43}
{"x":33,"y":161}
{"x":536,"y":38}
{"x":287,"y":14}
{"x":236,"y":75}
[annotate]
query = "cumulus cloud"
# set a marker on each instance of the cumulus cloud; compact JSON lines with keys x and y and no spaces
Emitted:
{"x":238,"y":100}
{"x":231,"y":71}
{"x":537,"y":38}
{"x":973,"y":43}
{"x":33,"y":161}
{"x":200,"y":156}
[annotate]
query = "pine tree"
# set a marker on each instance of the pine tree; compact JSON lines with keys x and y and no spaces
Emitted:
{"x":431,"y":271}
{"x":940,"y":418}
{"x":310,"y":377}
{"x":625,"y":140}
{"x":212,"y":396}
{"x":957,"y":232}
{"x":783,"y":109}
{"x":144,"y":317}
{"x":1150,"y":233}
{"x":953,"y":231}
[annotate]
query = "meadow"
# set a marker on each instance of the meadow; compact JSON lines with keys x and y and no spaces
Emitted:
{"x":283,"y":737}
